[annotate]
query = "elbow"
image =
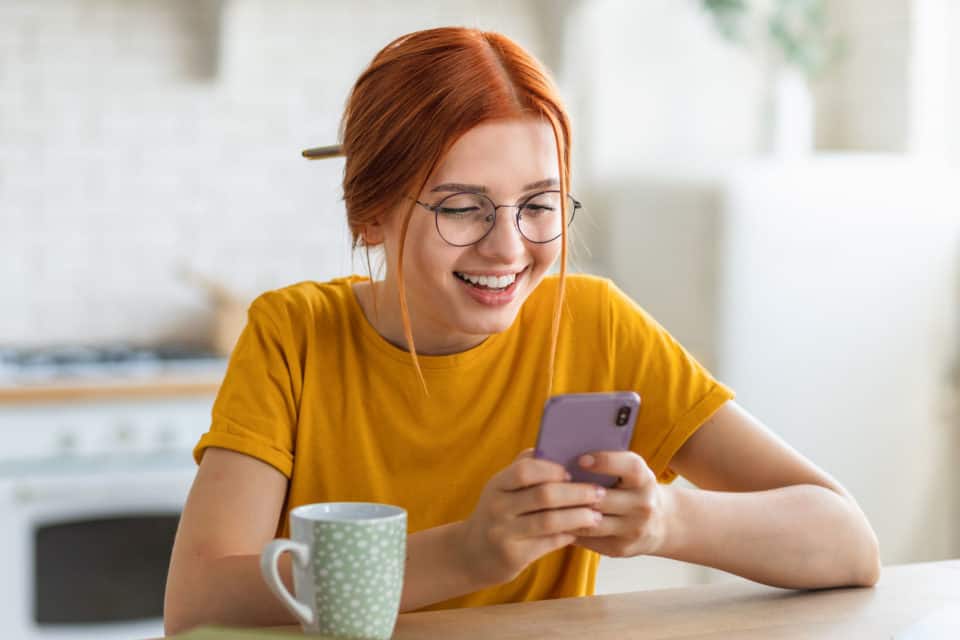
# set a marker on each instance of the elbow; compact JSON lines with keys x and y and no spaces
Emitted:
{"x":866,"y":567}
{"x":179,"y":620}
{"x":874,"y":566}
{"x":174,"y":619}
{"x":178,"y":614}
{"x":173,"y":624}
{"x":869,"y":567}
{"x":870,"y":575}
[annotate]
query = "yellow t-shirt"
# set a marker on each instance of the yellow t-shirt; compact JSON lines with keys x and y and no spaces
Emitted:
{"x":315,"y":391}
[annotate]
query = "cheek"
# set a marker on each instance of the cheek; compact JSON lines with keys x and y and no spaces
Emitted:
{"x":433,"y":255}
{"x":547,"y":254}
{"x":422,"y":247}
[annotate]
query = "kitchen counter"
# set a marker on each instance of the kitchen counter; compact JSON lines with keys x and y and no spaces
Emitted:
{"x":110,"y":389}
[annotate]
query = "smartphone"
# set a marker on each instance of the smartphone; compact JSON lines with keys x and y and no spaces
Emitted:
{"x":577,"y":423}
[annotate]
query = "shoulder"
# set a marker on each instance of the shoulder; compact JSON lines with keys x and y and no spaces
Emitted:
{"x":304,"y":304}
{"x":586,"y":304}
{"x":578,"y":289}
{"x":593,"y":301}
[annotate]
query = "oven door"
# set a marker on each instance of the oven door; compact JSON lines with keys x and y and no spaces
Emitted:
{"x":90,"y":552}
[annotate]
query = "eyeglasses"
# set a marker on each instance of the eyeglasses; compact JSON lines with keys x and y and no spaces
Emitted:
{"x":466,"y":218}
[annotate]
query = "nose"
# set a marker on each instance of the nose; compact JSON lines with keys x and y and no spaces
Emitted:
{"x":504,"y":242}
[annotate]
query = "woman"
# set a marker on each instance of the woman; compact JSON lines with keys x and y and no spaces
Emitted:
{"x":425,"y":389}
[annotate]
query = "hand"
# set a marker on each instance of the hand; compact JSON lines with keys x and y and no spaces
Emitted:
{"x":635,"y":510}
{"x":525,"y":511}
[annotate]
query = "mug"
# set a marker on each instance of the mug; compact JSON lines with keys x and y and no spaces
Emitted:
{"x":348,"y":561}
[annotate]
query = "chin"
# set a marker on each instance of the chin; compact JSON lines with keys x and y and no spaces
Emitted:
{"x":497,"y":323}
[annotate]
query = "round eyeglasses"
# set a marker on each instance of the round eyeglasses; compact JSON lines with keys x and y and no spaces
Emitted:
{"x":466,"y":218}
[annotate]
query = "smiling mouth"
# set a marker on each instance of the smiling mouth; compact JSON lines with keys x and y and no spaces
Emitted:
{"x":489,"y":283}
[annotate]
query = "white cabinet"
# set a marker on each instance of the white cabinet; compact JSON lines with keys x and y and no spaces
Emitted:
{"x":838,"y":307}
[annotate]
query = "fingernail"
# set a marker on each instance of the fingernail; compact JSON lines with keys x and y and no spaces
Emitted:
{"x":567,"y":477}
{"x":597,"y":516}
{"x":601,"y":492}
{"x":587,"y":461}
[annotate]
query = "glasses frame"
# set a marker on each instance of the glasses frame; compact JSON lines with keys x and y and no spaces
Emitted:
{"x":435,"y":209}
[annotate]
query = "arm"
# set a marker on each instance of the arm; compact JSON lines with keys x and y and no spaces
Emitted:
{"x":767,"y":513}
{"x":762,"y":511}
{"x":231,"y":513}
{"x":236,"y":501}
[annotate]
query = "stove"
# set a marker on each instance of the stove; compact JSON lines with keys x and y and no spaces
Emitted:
{"x":59,"y":364}
{"x":47,"y":430}
{"x":82,"y":478}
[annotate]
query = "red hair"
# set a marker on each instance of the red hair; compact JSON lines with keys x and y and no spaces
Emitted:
{"x":418,"y":96}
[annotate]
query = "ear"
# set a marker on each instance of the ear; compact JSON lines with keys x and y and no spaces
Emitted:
{"x":372,"y":233}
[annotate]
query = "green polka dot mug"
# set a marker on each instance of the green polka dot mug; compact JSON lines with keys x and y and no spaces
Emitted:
{"x":348,"y":560}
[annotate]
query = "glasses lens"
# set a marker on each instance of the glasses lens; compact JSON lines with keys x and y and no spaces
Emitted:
{"x":541,"y":216}
{"x":464,"y":218}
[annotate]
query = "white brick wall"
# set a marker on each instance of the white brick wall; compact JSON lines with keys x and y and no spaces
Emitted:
{"x":953,"y":81}
{"x":897,"y":88}
{"x":864,"y":103}
{"x":136,"y":136}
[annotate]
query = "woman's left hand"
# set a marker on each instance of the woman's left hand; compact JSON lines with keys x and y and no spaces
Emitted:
{"x":635,"y":510}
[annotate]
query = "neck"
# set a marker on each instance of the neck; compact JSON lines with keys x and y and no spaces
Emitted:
{"x":430,"y":338}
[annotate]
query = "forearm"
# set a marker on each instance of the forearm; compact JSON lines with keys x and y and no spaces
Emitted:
{"x":435,"y":569}
{"x":231,"y":590}
{"x":798,"y":537}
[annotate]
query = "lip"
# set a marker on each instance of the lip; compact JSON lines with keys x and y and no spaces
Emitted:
{"x":490,"y":298}
{"x":495,"y":272}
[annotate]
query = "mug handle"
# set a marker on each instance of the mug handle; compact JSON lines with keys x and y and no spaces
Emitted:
{"x":271,"y":575}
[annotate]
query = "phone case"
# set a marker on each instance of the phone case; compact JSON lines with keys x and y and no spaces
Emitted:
{"x":578,"y":423}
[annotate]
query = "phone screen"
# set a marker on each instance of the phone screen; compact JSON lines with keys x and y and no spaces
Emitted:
{"x":579,"y":423}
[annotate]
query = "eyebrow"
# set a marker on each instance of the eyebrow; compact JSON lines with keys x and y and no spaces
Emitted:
{"x":479,"y":188}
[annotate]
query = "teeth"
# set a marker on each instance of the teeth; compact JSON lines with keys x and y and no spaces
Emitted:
{"x":492,"y":282}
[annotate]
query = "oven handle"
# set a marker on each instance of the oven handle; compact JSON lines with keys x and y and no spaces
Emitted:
{"x":167,"y":493}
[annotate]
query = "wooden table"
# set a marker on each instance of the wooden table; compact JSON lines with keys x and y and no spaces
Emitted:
{"x":905,"y":595}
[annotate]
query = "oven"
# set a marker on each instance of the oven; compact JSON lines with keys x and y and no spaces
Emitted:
{"x":86,"y":549}
{"x":91,"y":492}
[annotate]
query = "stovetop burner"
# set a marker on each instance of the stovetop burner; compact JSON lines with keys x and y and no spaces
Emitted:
{"x":47,"y":364}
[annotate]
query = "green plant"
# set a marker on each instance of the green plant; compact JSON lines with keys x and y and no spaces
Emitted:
{"x":796,"y":32}
{"x":727,"y":16}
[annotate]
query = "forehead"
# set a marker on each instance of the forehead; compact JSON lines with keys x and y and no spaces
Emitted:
{"x":501,"y":155}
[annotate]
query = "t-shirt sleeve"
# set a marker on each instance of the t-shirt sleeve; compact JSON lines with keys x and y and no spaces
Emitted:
{"x":677,"y":394}
{"x":256,"y":408}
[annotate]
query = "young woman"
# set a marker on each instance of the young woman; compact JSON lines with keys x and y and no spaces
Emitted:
{"x":425,"y":389}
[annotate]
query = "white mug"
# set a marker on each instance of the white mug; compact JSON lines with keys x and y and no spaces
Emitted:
{"x":348,"y":561}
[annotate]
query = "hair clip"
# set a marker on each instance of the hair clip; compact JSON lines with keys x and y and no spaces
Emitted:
{"x":317,"y":153}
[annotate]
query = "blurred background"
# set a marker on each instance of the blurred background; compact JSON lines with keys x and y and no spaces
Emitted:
{"x":776,"y":181}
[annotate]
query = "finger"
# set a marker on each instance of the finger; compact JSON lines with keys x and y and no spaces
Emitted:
{"x":555,"y":495}
{"x":621,"y":501}
{"x":546,"y":544}
{"x":606,"y":546}
{"x":627,"y":465}
{"x":607,"y":526}
{"x":528,"y":472}
{"x":554,"y":521}
{"x":526,"y":453}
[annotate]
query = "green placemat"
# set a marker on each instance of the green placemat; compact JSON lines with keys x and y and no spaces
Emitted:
{"x":224,"y":633}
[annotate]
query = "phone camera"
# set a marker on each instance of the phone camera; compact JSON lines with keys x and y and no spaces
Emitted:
{"x":622,"y":416}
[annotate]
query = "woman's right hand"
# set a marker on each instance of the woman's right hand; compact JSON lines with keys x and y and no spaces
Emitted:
{"x":525,"y":511}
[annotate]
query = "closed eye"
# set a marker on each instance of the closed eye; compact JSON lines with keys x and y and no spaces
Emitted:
{"x":456,"y":211}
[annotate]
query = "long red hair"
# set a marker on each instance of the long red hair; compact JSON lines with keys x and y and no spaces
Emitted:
{"x":418,"y":96}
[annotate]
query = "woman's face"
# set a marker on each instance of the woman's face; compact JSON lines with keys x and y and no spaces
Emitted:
{"x":507,"y":161}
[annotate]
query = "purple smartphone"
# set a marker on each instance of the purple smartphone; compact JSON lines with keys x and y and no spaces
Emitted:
{"x":577,"y":423}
